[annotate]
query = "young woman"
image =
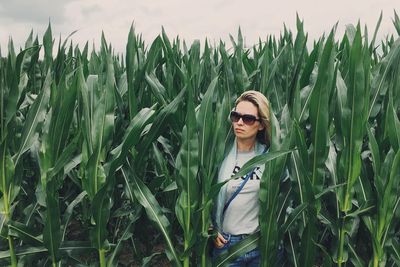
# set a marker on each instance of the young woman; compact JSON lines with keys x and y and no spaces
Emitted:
{"x":234,"y":221}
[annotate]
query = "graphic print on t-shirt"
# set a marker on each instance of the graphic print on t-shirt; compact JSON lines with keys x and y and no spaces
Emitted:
{"x":253,"y":177}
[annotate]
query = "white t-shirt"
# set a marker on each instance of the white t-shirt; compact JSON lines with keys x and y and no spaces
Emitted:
{"x":241,"y":217}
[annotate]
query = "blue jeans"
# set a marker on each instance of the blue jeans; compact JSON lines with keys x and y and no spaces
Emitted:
{"x":251,"y":258}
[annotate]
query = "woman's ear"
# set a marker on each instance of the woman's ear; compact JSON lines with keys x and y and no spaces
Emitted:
{"x":261,"y":127}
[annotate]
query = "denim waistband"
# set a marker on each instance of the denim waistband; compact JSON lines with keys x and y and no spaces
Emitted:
{"x":229,"y":236}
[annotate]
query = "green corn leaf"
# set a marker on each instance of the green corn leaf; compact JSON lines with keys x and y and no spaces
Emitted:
{"x":86,"y":109}
{"x":245,"y":245}
{"x":109,"y":88}
{"x":95,"y":176}
{"x":154,"y":55}
{"x":160,"y":122}
{"x":131,"y":61}
{"x":167,"y":44}
{"x":388,"y":62}
{"x":293,"y":217}
{"x":293,"y":91}
{"x":205,"y":123}
{"x":25,"y":233}
{"x":395,"y":247}
{"x":101,"y":206}
{"x":293,"y":252}
{"x":307,"y":192}
{"x":68,"y":212}
{"x":16,"y":89}
{"x":341,"y":104}
{"x":99,"y":124}
{"x":35,"y":116}
{"x":208,"y":120}
{"x":157,"y":88}
{"x":387,"y":208}
{"x":319,"y":112}
{"x":351,"y":32}
{"x":307,"y":249}
{"x":131,"y":138}
{"x":396,"y":22}
{"x":353,"y":123}
{"x":52,"y":226}
{"x":153,"y":209}
{"x":298,"y":174}
{"x":126,"y":234}
{"x":372,"y":44}
{"x":366,"y":207}
{"x":146,"y":261}
{"x":356,"y":259}
{"x":48,"y":47}
{"x":7,"y":170}
{"x":66,"y":248}
{"x":270,"y":202}
{"x":309,"y":66}
{"x":260,"y":160}
{"x":392,"y":124}
{"x":331,"y":188}
{"x":23,"y":251}
{"x":305,"y":96}
{"x":373,"y":145}
{"x":61,"y":118}
{"x":187,"y":166}
{"x":67,"y":156}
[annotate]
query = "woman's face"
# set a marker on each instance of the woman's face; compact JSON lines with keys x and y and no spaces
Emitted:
{"x":242,"y":130}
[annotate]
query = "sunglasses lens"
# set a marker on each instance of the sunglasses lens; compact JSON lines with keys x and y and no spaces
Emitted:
{"x":248,"y":119}
{"x":235,"y":117}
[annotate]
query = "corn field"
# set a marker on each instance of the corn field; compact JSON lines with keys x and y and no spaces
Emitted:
{"x":111,"y":159}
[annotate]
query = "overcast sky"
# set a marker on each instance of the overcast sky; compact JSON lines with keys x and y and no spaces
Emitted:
{"x":212,"y":19}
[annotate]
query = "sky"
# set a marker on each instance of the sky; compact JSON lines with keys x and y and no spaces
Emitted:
{"x":190,"y":20}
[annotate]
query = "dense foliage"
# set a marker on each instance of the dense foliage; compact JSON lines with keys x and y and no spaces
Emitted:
{"x":112,"y":159}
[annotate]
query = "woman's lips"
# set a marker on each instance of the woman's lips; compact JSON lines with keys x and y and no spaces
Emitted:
{"x":239,"y":130}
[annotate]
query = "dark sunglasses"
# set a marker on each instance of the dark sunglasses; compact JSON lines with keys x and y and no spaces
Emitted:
{"x":246,"y":118}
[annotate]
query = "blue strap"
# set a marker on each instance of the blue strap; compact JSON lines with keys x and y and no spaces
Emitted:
{"x":238,"y":190}
{"x":240,"y":187}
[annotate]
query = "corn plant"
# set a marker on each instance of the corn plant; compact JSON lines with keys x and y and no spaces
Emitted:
{"x":14,"y":81}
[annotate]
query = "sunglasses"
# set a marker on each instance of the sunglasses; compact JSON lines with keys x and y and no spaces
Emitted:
{"x":246,"y":118}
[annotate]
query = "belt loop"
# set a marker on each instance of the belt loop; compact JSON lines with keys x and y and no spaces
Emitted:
{"x":228,"y":236}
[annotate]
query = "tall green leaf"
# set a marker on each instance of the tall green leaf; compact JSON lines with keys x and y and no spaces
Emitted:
{"x":187,"y":166}
{"x":153,"y":209}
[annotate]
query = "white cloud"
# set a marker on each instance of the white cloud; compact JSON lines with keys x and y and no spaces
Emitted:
{"x":37,"y":12}
{"x":189,"y":19}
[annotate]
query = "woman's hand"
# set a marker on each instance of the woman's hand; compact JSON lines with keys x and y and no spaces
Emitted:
{"x":219,"y":241}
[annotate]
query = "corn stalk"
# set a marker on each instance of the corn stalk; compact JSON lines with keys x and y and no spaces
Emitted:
{"x":187,"y":164}
{"x":353,"y":117}
{"x":97,"y":95}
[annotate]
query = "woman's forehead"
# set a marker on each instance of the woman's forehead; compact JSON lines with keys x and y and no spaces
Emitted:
{"x":247,"y":108}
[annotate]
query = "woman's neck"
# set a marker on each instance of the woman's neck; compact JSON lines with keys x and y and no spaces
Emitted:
{"x":245,"y":145}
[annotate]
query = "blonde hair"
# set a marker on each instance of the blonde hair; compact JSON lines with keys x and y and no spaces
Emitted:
{"x":262,"y":104}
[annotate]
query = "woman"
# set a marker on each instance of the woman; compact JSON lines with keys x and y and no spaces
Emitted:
{"x":239,"y":218}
